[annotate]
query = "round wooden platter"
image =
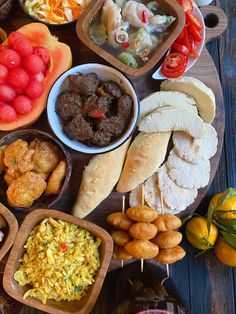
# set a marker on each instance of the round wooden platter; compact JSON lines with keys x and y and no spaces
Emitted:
{"x":204,"y":69}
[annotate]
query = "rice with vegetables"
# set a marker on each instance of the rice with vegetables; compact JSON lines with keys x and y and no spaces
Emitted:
{"x":60,"y":261}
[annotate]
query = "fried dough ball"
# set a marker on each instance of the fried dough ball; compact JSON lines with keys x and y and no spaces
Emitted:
{"x":170,"y":256}
{"x":14,"y":152}
{"x":2,"y":154}
{"x":142,"y":249}
{"x":143,"y":230}
{"x":23,"y":191}
{"x":166,"y":222}
{"x":119,"y":220}
{"x":120,"y":237}
{"x":120,"y":253}
{"x":142,"y":213}
{"x":167,"y":239}
{"x":55,"y":180}
{"x":46,"y":156}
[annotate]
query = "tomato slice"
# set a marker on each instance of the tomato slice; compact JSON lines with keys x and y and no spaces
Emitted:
{"x":195,"y":33}
{"x":193,"y":48}
{"x":99,"y":114}
{"x":187,"y":5}
{"x":174,"y":65}
{"x":181,"y":48}
{"x":193,"y":20}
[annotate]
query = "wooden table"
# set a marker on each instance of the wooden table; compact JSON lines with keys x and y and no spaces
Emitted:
{"x":208,"y":285}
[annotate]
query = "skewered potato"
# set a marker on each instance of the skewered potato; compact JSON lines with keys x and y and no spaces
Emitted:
{"x":170,"y":256}
{"x":143,"y":230}
{"x":119,"y":220}
{"x":167,"y":239}
{"x":166,"y":222}
{"x":120,"y":237}
{"x":142,"y":249}
{"x":120,"y":253}
{"x":142,"y":213}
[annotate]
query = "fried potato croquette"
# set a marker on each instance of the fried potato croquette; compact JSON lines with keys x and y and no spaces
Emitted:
{"x":143,"y":231}
{"x":142,"y":249}
{"x":23,"y":191}
{"x":55,"y":180}
{"x":46,"y":156}
{"x":2,"y":154}
{"x":120,"y":253}
{"x":26,"y":163}
{"x":166,"y":222}
{"x":11,"y":175}
{"x":120,"y":237}
{"x":167,"y":239}
{"x":119,"y":220}
{"x":142,"y":213}
{"x":170,"y":256}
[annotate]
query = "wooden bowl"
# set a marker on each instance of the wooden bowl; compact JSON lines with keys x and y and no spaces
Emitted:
{"x":11,"y":232}
{"x":170,"y":7}
{"x":29,"y":135}
{"x":86,"y":304}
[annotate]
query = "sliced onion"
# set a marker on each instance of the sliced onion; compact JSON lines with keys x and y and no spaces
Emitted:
{"x":122,"y":36}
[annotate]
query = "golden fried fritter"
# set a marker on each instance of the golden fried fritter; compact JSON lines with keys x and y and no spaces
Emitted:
{"x":26,"y":164}
{"x":46,"y":157}
{"x":2,"y":154}
{"x":23,"y":191}
{"x":14,"y":152}
{"x":56,"y":178}
{"x":11,"y":175}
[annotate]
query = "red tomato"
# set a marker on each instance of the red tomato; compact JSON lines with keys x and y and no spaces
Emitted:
{"x":193,"y":48}
{"x":181,"y":48}
{"x":187,"y":5}
{"x":97,"y":114}
{"x":193,"y":20}
{"x":174,"y":65}
{"x":64,"y":246}
{"x":195,"y":33}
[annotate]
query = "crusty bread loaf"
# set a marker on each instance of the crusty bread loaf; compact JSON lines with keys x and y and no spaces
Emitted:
{"x":99,"y":179}
{"x":144,"y":157}
{"x":203,"y":95}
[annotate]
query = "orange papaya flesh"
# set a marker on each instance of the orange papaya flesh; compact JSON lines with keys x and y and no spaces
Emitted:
{"x":60,"y":61}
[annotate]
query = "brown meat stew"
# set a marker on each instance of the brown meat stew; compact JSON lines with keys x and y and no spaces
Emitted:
{"x":92,"y":111}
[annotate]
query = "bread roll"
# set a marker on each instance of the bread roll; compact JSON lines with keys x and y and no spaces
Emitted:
{"x":144,"y":157}
{"x":99,"y":179}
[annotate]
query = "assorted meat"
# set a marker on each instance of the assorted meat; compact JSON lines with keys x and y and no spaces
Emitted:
{"x":93,"y":111}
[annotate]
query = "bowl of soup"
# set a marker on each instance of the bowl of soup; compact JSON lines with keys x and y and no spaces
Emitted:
{"x":133,"y":36}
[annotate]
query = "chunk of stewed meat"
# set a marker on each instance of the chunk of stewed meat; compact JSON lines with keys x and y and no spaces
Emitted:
{"x":124,"y":106}
{"x":113,"y":89}
{"x":68,"y":105}
{"x":79,"y":129}
{"x":101,"y":138}
{"x":114,"y":125}
{"x":85,"y":85}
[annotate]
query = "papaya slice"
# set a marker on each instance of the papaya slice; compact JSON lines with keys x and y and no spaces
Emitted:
{"x":60,"y":61}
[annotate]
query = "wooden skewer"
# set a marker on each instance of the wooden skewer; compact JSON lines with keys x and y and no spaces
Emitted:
{"x":142,"y":203}
{"x":123,"y":210}
{"x":167,"y":266}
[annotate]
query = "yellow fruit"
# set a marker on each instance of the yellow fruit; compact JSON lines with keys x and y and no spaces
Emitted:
{"x":197,"y":233}
{"x":225,"y":253}
{"x":229,"y":204}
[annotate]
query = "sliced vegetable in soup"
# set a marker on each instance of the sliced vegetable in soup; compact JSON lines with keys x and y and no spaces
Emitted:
{"x":130,"y":30}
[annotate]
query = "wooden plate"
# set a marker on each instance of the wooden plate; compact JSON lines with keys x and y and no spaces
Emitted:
{"x":10,"y":236}
{"x":83,"y":306}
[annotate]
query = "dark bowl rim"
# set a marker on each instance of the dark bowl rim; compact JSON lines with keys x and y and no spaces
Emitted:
{"x":138,"y":109}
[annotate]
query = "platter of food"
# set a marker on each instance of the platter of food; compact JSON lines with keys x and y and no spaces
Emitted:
{"x":113,"y":150}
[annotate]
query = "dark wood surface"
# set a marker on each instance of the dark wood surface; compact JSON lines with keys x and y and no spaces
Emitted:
{"x":208,"y":286}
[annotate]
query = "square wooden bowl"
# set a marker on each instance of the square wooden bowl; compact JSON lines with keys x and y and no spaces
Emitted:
{"x":170,"y":7}
{"x":86,"y":304}
{"x":10,"y":236}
